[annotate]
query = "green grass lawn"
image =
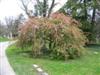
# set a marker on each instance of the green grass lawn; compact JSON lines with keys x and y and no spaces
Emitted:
{"x":2,"y":39}
{"x":88,"y":64}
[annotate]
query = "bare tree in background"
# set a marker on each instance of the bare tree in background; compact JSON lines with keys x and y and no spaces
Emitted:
{"x":3,"y":30}
{"x":13,"y":25}
{"x":41,"y":8}
{"x":24,"y":6}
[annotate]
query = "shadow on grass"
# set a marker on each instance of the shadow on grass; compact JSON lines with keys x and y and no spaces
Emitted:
{"x":29,"y":54}
{"x":94,"y":47}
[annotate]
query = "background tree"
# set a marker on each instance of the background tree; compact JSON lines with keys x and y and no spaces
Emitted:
{"x":24,"y":5}
{"x":13,"y":25}
{"x":3,"y":30}
{"x":85,"y":12}
{"x":40,"y":7}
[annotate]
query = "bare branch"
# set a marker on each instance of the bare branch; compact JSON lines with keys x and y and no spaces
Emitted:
{"x":51,"y":7}
{"x":24,"y":6}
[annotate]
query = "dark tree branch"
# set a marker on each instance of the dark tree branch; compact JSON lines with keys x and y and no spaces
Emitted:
{"x":52,"y":6}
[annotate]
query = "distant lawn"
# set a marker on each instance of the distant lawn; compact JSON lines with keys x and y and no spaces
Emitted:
{"x":86,"y":65}
{"x":2,"y":39}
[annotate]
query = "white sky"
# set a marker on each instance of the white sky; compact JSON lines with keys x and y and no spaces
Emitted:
{"x":11,"y":8}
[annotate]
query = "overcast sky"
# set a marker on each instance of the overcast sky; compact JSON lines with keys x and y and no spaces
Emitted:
{"x":11,"y":8}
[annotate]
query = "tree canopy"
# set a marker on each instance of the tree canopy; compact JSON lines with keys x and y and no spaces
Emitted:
{"x":84,"y":11}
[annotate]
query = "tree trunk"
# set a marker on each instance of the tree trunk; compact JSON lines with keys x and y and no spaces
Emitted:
{"x":85,"y":10}
{"x":44,"y":8}
{"x":50,"y":10}
{"x":93,"y":15}
{"x":93,"y":18}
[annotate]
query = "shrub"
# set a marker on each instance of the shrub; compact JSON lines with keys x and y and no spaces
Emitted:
{"x":55,"y":37}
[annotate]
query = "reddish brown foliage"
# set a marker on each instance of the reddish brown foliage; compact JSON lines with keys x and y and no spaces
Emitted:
{"x":66,"y":19}
{"x":60,"y":35}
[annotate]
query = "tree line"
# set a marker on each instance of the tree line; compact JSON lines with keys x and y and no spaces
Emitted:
{"x":9,"y":28}
{"x":87,"y":12}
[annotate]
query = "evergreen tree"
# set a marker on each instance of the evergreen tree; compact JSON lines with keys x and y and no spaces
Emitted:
{"x":85,"y":12}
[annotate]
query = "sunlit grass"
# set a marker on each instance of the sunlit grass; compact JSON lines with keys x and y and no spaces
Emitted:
{"x":89,"y":64}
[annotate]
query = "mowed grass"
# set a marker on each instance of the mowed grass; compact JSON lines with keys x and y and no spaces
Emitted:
{"x":89,"y":64}
{"x":2,"y":39}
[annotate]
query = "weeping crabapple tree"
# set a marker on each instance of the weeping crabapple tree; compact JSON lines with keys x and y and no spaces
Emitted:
{"x":58,"y":37}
